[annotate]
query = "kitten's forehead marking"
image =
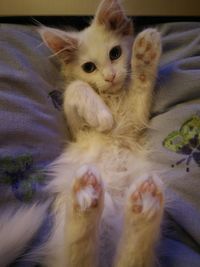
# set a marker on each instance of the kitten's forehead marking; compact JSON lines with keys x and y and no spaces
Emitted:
{"x":96,"y":43}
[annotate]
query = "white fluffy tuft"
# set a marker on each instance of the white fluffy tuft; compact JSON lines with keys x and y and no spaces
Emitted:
{"x":17,"y":228}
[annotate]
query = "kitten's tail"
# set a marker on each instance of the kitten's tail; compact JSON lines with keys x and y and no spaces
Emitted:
{"x":16,"y":230}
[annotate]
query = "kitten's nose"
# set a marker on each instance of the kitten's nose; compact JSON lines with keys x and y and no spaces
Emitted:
{"x":110,"y":78}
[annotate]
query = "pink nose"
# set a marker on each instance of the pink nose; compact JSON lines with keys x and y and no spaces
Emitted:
{"x":110,"y":78}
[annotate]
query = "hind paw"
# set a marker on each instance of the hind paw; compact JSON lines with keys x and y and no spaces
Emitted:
{"x":146,"y":199}
{"x":87,"y":189}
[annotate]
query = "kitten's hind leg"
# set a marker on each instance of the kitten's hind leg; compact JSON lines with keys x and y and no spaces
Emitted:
{"x":143,"y":213}
{"x":83,"y":218}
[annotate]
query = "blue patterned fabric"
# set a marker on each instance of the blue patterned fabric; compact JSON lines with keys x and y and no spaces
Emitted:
{"x":32,"y":129}
{"x":175,"y":137}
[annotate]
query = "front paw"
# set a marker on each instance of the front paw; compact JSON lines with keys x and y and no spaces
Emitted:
{"x":99,"y":117}
{"x":146,"y":52}
{"x":81,"y":99}
{"x":105,"y":121}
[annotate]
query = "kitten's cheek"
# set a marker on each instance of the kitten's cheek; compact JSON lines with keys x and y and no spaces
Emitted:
{"x":118,"y":83}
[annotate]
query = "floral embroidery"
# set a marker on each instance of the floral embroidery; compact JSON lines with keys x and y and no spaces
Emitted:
{"x":186,"y":141}
{"x":21,"y":176}
{"x":56,"y":97}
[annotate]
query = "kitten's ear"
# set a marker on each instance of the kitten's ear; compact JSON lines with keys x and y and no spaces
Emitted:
{"x":63,"y":45}
{"x":111,"y":14}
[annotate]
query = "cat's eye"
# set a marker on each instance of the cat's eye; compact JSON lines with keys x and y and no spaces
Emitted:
{"x":115,"y":52}
{"x":89,"y":67}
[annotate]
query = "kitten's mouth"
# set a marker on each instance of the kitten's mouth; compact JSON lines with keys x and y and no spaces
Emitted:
{"x":113,"y":83}
{"x":112,"y":89}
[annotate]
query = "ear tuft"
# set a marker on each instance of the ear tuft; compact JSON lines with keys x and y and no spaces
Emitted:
{"x":63,"y":45}
{"x":111,"y":14}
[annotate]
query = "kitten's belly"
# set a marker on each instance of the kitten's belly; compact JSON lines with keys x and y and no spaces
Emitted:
{"x":120,"y":167}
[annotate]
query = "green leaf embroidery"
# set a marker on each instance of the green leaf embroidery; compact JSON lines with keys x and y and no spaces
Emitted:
{"x":186,"y":141}
{"x":20,"y":174}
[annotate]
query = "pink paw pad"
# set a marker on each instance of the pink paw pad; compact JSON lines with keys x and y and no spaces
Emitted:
{"x":146,"y":53}
{"x":87,"y":190}
{"x":147,"y":46}
{"x":147,"y":199}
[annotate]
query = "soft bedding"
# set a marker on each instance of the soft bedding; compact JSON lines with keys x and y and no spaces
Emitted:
{"x":175,"y":136}
{"x":33,"y":131}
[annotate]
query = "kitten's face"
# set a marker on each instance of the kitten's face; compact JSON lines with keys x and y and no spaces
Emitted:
{"x":100,"y":54}
{"x":102,"y":59}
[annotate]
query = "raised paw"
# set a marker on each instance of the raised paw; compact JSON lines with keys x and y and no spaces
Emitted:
{"x":100,"y":118}
{"x":146,"y":52}
{"x":87,"y":189}
{"x":105,"y":121}
{"x":146,"y":199}
{"x":83,"y":104}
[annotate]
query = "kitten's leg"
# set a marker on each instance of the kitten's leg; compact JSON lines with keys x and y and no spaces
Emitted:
{"x":82,"y":102}
{"x":145,"y":59}
{"x":143,"y":214}
{"x":83,"y":218}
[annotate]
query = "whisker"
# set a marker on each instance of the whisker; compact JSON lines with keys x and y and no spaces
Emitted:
{"x":36,"y":22}
{"x":58,"y":52}
{"x":40,"y":45}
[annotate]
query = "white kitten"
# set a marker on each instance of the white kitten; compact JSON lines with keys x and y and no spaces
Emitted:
{"x":109,"y":201}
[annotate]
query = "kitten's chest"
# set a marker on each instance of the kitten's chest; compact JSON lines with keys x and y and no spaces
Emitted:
{"x":122,"y":113}
{"x":122,"y":159}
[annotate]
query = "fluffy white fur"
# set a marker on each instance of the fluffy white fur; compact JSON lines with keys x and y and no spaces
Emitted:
{"x":17,"y":227}
{"x":108,"y":198}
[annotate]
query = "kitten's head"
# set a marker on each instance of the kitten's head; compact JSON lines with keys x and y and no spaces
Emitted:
{"x":100,"y":54}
